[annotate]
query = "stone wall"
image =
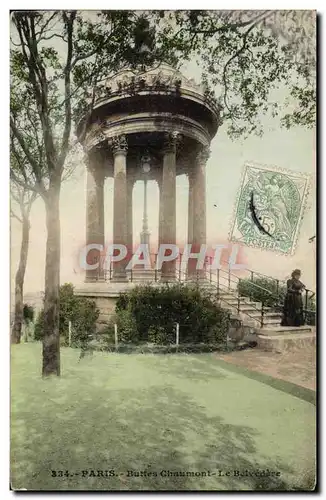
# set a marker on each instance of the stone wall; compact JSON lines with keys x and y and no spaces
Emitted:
{"x":106,"y":305}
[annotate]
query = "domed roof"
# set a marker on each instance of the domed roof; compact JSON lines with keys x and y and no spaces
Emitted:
{"x":154,"y":99}
{"x":162,"y":76}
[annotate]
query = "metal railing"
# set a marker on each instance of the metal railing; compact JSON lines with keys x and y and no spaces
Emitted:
{"x":224,"y":281}
{"x":276,"y":298}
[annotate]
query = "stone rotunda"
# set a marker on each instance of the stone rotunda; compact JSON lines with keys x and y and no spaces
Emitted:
{"x":160,"y":118}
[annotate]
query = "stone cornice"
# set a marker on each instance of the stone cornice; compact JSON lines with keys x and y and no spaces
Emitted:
{"x":143,"y":122}
{"x":186,"y":95}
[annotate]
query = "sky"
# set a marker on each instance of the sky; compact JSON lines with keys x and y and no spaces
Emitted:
{"x":292,"y":149}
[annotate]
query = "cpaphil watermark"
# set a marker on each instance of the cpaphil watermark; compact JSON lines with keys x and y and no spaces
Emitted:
{"x":208,"y":257}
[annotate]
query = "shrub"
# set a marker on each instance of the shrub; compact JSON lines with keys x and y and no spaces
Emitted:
{"x":82,"y":313}
{"x":262,"y":290}
{"x":311,"y":312}
{"x":28,"y":313}
{"x":38,"y":330}
{"x":158,"y":335}
{"x":149,"y":314}
{"x":127,"y":326}
{"x":107,"y":333}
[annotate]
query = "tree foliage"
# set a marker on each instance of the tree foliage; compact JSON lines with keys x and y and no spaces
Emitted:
{"x":245,"y":55}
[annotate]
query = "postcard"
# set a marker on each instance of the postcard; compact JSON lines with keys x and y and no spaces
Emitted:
{"x":163,"y":250}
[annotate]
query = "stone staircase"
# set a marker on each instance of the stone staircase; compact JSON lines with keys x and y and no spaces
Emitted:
{"x":249,"y":312}
{"x":265,"y":331}
{"x":242,"y":308}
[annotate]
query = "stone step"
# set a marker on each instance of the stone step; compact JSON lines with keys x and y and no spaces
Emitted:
{"x":256,"y":310}
{"x":249,"y":306}
{"x":272,"y":321}
{"x":267,"y":314}
{"x":233,"y":299}
{"x":234,"y":302}
{"x":285,"y":330}
{"x":254,"y":321}
{"x":286,"y":341}
{"x":226,"y":292}
{"x":256,"y":324}
{"x":253,"y":313}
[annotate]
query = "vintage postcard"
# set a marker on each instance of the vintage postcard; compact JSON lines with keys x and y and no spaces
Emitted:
{"x":280,"y":198}
{"x":163,"y":250}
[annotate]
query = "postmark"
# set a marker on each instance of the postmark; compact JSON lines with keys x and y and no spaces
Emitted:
{"x":269,"y":208}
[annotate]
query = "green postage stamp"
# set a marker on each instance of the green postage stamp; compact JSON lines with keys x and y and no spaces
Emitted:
{"x":269,"y":208}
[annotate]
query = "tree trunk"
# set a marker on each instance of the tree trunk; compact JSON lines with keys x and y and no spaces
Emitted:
{"x":51,"y":336}
{"x":19,"y":283}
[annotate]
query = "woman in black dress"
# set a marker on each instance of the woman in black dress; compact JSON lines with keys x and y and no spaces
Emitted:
{"x":293,"y":304}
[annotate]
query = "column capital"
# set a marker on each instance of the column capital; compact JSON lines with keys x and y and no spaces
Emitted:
{"x":119,"y":144}
{"x":171,"y":140}
{"x":203,"y":154}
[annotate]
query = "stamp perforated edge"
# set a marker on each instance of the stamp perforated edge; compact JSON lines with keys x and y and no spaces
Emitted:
{"x":274,"y":168}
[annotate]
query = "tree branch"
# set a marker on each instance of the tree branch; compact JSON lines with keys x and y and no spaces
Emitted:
{"x":12,"y":214}
{"x":67,"y":75}
{"x":33,"y":124}
{"x":37,"y":75}
{"x":235,"y":55}
{"x":24,"y":184}
{"x":30,"y":159}
{"x":38,"y":187}
{"x":46,"y":24}
{"x":260,"y":17}
{"x":81,"y":58}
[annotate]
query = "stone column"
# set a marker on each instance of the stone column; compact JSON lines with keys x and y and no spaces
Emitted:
{"x":100,"y":202}
{"x":168,"y":199}
{"x":199,"y":200}
{"x":191,"y":179}
{"x":94,"y":218}
{"x":145,"y":234}
{"x":130,"y":187}
{"x":160,"y":208}
{"x":119,"y":147}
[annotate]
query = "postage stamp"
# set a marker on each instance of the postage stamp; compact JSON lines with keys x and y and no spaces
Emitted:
{"x":269,"y":208}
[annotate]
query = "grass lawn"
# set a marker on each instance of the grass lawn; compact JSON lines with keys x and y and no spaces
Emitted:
{"x":155,"y":413}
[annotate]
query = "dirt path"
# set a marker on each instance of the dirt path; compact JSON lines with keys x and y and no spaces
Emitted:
{"x":298,"y":367}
